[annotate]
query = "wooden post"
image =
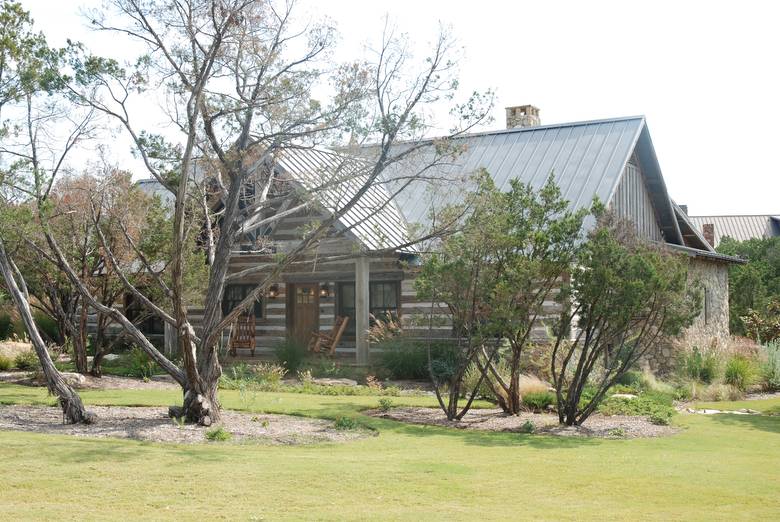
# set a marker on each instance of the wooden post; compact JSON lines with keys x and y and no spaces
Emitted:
{"x":361,"y":310}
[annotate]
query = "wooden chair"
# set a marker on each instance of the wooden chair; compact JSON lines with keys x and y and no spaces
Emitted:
{"x":327,"y":342}
{"x":243,"y":335}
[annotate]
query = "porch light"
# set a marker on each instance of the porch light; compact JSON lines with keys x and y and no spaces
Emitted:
{"x":273,"y":291}
{"x":324,"y":290}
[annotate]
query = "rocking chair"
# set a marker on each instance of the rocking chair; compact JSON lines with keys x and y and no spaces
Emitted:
{"x":327,"y":342}
{"x":243,"y":334}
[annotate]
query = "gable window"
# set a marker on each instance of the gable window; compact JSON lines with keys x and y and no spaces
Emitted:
{"x":383,"y":297}
{"x":234,"y":294}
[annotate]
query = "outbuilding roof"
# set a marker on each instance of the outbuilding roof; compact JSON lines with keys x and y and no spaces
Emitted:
{"x":740,"y":227}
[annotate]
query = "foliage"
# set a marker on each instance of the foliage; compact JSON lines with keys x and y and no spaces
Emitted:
{"x":6,"y":325}
{"x":6,"y":363}
{"x":385,"y":404}
{"x":405,"y":358}
{"x":290,"y":354}
{"x":527,"y":427}
{"x":657,"y":407}
{"x":141,"y":365}
{"x":26,"y":361}
{"x":754,"y":285}
{"x":771,"y":367}
{"x":47,"y":326}
{"x":739,"y":372}
{"x":346,"y":423}
{"x":627,"y":295}
{"x":218,"y":434}
{"x":700,"y":365}
{"x":538,"y":401}
{"x":764,"y":325}
{"x":495,"y":274}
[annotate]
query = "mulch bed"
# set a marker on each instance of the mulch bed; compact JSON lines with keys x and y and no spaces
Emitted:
{"x":615,"y":426}
{"x":153,"y":424}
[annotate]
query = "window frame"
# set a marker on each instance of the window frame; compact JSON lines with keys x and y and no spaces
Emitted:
{"x":259,"y":309}
{"x":340,"y":309}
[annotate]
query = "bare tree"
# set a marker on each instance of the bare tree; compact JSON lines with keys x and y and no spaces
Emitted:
{"x":237,"y":77}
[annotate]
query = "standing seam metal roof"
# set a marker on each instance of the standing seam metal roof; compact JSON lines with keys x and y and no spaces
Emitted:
{"x":740,"y":228}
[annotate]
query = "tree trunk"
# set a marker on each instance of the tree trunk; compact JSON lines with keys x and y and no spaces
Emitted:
{"x":80,"y":342}
{"x":73,"y":410}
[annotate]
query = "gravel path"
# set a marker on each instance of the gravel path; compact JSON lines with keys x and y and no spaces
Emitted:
{"x":616,"y":426}
{"x":152,"y":424}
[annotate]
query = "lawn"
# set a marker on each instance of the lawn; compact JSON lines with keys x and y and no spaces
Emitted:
{"x":720,"y":467}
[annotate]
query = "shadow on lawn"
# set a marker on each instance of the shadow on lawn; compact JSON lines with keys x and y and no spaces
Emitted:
{"x":764,"y":422}
{"x":476,"y":437}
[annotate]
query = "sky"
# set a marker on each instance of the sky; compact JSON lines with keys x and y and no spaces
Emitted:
{"x":704,"y":73}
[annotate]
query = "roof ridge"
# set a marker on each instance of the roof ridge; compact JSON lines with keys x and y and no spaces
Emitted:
{"x":733,"y":215}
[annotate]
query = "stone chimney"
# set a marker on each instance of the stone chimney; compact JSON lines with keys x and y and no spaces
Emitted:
{"x":522,"y":116}
{"x":708,"y":231}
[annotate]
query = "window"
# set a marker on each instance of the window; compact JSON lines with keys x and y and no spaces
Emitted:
{"x":234,"y":294}
{"x":383,"y":301}
{"x":147,"y":322}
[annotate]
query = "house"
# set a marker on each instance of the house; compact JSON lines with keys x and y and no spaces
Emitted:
{"x":740,"y":228}
{"x":612,"y":159}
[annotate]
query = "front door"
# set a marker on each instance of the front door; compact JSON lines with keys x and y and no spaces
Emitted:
{"x":303,"y":308}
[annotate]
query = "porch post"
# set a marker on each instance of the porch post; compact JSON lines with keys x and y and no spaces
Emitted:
{"x":361,"y":310}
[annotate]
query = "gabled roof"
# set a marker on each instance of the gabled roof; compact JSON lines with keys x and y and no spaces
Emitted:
{"x":740,"y":227}
{"x":586,"y":158}
{"x":374,"y":221}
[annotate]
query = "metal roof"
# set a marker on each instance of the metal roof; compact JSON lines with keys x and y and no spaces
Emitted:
{"x":587,"y":160}
{"x":740,"y":228}
{"x":335,"y":179}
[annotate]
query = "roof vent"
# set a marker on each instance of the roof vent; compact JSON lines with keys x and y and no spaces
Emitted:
{"x":522,"y":116}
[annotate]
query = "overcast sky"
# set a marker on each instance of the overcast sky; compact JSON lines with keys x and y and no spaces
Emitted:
{"x":704,"y":73}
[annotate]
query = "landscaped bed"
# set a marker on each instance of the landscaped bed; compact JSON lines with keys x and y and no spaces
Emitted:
{"x":613,"y":426}
{"x":152,"y":424}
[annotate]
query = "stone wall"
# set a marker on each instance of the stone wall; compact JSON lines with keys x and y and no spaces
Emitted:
{"x":713,"y":321}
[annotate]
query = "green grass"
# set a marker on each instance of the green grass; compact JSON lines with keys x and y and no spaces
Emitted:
{"x":720,"y":467}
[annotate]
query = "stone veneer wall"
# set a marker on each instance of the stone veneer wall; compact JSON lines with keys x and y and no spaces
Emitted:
{"x":713,"y":321}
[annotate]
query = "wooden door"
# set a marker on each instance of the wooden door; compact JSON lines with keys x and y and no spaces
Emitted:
{"x":303,"y":306}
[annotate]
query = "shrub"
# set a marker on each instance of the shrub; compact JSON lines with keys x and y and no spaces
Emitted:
{"x":632,"y":379}
{"x":539,"y":400}
{"x":385,"y":404}
{"x":218,"y":434}
{"x":290,"y":354}
{"x":654,"y":406}
{"x":700,"y":366}
{"x":5,"y":363}
{"x":346,"y":423}
{"x":47,"y":326}
{"x":527,"y":427}
{"x":720,"y":392}
{"x":406,"y":359}
{"x":618,"y":433}
{"x":141,"y":365}
{"x":6,"y":326}
{"x":771,"y":368}
{"x":738,"y":373}
{"x":269,"y":373}
{"x":26,"y":361}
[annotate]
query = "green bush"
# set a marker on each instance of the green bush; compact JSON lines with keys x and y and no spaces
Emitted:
{"x":290,"y":354}
{"x":47,"y":326}
{"x":738,"y":373}
{"x":218,"y":434}
{"x":346,"y":423}
{"x":538,"y":401}
{"x":6,"y":326}
{"x":26,"y":361}
{"x":385,"y":404}
{"x":5,"y":363}
{"x":527,"y":427}
{"x":700,"y":366}
{"x":141,"y":365}
{"x":654,"y":406}
{"x":406,"y":359}
{"x":633,"y":379}
{"x":771,"y":368}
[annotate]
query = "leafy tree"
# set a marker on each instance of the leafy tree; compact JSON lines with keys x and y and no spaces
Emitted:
{"x":752,"y":286}
{"x":495,"y":275}
{"x":625,"y":295}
